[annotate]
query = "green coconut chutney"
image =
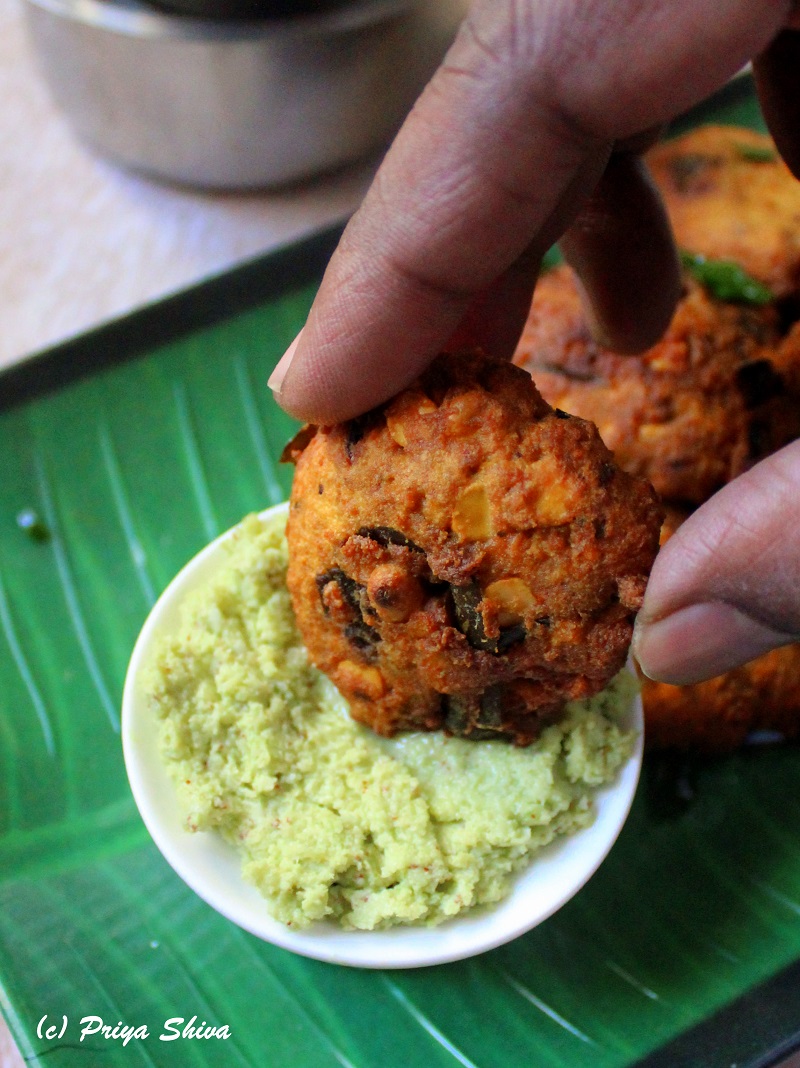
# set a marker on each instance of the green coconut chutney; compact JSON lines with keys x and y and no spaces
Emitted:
{"x":333,"y":822}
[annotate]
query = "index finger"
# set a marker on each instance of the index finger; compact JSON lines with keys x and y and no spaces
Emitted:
{"x":497,"y":157}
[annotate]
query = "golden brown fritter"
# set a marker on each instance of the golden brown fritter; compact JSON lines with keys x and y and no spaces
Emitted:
{"x":720,"y":391}
{"x":717,"y":715}
{"x":730,"y":196}
{"x":464,"y":557}
{"x":698,"y":408}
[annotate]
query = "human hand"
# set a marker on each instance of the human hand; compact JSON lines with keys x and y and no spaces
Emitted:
{"x":528,"y":133}
{"x":726,"y":586}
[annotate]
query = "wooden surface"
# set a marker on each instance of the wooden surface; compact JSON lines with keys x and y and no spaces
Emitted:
{"x":82,"y":241}
{"x":10,"y":1056}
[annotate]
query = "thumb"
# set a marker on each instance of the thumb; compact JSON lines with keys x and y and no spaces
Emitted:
{"x":726,"y":586}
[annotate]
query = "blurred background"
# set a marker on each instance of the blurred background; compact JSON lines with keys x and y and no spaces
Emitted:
{"x":309,"y":109}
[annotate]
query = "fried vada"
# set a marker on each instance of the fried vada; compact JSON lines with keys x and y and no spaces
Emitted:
{"x":718,"y":715}
{"x":716,"y":394}
{"x":464,"y":557}
{"x":730,"y":196}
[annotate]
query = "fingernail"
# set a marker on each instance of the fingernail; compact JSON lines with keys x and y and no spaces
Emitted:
{"x":699,"y":642}
{"x":596,"y":328}
{"x":275,"y":381}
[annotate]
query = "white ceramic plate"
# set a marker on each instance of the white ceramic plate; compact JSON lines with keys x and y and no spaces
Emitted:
{"x":212,"y":868}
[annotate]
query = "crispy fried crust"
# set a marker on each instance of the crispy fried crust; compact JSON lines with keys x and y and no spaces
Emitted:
{"x":730,"y":196}
{"x":697,"y":409}
{"x":719,"y":392}
{"x":716,"y":716}
{"x":466,"y":558}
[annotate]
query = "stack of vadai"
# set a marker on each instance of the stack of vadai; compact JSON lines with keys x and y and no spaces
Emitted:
{"x":465,"y":557}
{"x":720,"y":391}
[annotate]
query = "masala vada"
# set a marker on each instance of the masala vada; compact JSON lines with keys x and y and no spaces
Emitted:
{"x":716,"y":394}
{"x":464,"y":557}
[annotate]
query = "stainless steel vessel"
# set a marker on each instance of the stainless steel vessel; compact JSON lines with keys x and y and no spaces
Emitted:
{"x":233,"y":104}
